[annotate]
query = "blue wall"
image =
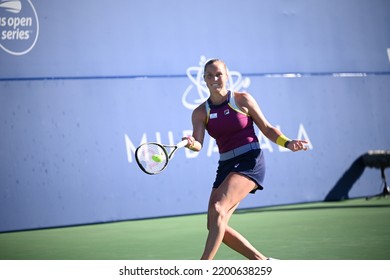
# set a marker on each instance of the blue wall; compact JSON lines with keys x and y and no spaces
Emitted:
{"x":83,"y":83}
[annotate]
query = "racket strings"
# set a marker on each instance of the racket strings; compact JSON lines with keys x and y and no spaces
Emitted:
{"x":152,"y":158}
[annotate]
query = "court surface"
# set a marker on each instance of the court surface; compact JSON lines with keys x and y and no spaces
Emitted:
{"x":348,"y":230}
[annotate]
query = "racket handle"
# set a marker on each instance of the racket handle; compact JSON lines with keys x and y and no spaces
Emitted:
{"x":182,"y":143}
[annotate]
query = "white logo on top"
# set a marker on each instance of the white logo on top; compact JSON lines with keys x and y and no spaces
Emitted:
{"x":19,"y":26}
{"x":197,"y":92}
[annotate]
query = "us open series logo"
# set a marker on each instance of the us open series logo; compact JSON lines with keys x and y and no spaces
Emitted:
{"x":19,"y":26}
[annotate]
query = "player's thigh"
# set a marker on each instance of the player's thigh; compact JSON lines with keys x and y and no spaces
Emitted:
{"x":233,"y":189}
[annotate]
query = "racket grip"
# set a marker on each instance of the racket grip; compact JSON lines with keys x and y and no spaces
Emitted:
{"x":182,"y":143}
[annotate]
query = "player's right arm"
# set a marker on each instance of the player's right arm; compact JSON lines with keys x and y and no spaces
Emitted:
{"x":199,"y":117}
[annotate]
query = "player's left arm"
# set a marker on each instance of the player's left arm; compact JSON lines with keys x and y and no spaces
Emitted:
{"x":249,"y":105}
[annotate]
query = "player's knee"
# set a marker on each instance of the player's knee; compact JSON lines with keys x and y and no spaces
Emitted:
{"x":217,"y":212}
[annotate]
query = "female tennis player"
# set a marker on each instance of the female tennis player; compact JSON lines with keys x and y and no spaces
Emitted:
{"x":228,"y":117}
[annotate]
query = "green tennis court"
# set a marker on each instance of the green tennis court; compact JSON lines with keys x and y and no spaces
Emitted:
{"x":352,"y":229}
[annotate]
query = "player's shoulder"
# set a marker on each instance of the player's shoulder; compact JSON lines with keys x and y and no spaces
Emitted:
{"x":200,"y":110}
{"x":201,"y":107}
{"x":243,"y":98}
{"x":242,"y":94}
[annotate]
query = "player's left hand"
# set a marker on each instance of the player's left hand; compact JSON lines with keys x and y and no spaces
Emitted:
{"x":297,"y":145}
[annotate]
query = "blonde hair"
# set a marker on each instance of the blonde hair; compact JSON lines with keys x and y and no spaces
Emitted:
{"x":212,"y":61}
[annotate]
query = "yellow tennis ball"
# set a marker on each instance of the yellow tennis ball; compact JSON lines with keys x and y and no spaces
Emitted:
{"x":157,"y":158}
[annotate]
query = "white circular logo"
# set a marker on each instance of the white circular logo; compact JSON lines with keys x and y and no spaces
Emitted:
{"x":19,"y":26}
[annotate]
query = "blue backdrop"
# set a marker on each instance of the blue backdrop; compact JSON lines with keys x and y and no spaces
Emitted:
{"x":83,"y":83}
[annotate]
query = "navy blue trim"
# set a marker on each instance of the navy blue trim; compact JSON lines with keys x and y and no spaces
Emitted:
{"x":212,"y":106}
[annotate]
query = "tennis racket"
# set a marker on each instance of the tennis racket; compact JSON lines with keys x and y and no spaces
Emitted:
{"x":153,"y":157}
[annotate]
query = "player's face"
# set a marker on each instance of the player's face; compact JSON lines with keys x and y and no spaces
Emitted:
{"x":216,"y":77}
